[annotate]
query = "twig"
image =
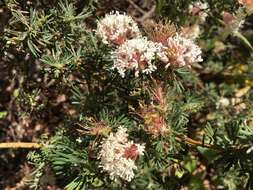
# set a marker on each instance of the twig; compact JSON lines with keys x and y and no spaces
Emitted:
{"x":137,"y":7}
{"x":20,"y":145}
{"x":192,"y":142}
{"x":147,"y":15}
{"x":37,"y":145}
{"x":197,"y":143}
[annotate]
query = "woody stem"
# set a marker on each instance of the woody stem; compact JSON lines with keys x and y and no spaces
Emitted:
{"x":188,"y":140}
{"x":20,"y":145}
{"x":193,"y":142}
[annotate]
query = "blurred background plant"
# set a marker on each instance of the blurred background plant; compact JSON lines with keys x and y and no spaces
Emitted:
{"x":57,"y":89}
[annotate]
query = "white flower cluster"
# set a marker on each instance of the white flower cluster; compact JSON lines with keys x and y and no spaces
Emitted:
{"x":182,"y":51}
{"x":136,"y":54}
{"x":116,"y":28}
{"x":118,"y":155}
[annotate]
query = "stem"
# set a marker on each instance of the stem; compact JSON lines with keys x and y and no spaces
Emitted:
{"x":137,"y":7}
{"x":245,"y":40}
{"x":197,"y":143}
{"x":193,"y":142}
{"x":37,"y":145}
{"x":20,"y":145}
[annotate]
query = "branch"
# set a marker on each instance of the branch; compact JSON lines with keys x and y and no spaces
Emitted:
{"x":37,"y":145}
{"x":193,"y":142}
{"x":136,"y":7}
{"x":147,"y":15}
{"x":20,"y":145}
{"x":197,"y":143}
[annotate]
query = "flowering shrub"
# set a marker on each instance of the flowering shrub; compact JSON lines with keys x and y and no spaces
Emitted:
{"x":124,"y":101}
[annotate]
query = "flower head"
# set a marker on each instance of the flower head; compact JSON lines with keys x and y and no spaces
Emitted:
{"x":154,"y":123}
{"x":136,"y":54}
{"x":192,"y":32}
{"x":159,"y":32}
{"x":116,"y":28}
{"x":181,"y":51}
{"x":233,"y":22}
{"x":248,"y":4}
{"x":118,"y":155}
{"x":222,"y":103}
{"x":198,"y":9}
{"x":153,"y":115}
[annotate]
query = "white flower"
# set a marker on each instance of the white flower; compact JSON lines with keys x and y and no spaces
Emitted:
{"x":79,"y":140}
{"x":222,"y":102}
{"x":199,"y":9}
{"x":118,"y":155}
{"x":140,"y":149}
{"x":136,"y":54}
{"x":116,"y":28}
{"x":181,"y":51}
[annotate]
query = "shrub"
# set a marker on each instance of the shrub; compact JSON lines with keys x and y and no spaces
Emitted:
{"x":148,"y":104}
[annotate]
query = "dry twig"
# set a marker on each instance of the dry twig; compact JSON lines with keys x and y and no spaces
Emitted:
{"x":20,"y":145}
